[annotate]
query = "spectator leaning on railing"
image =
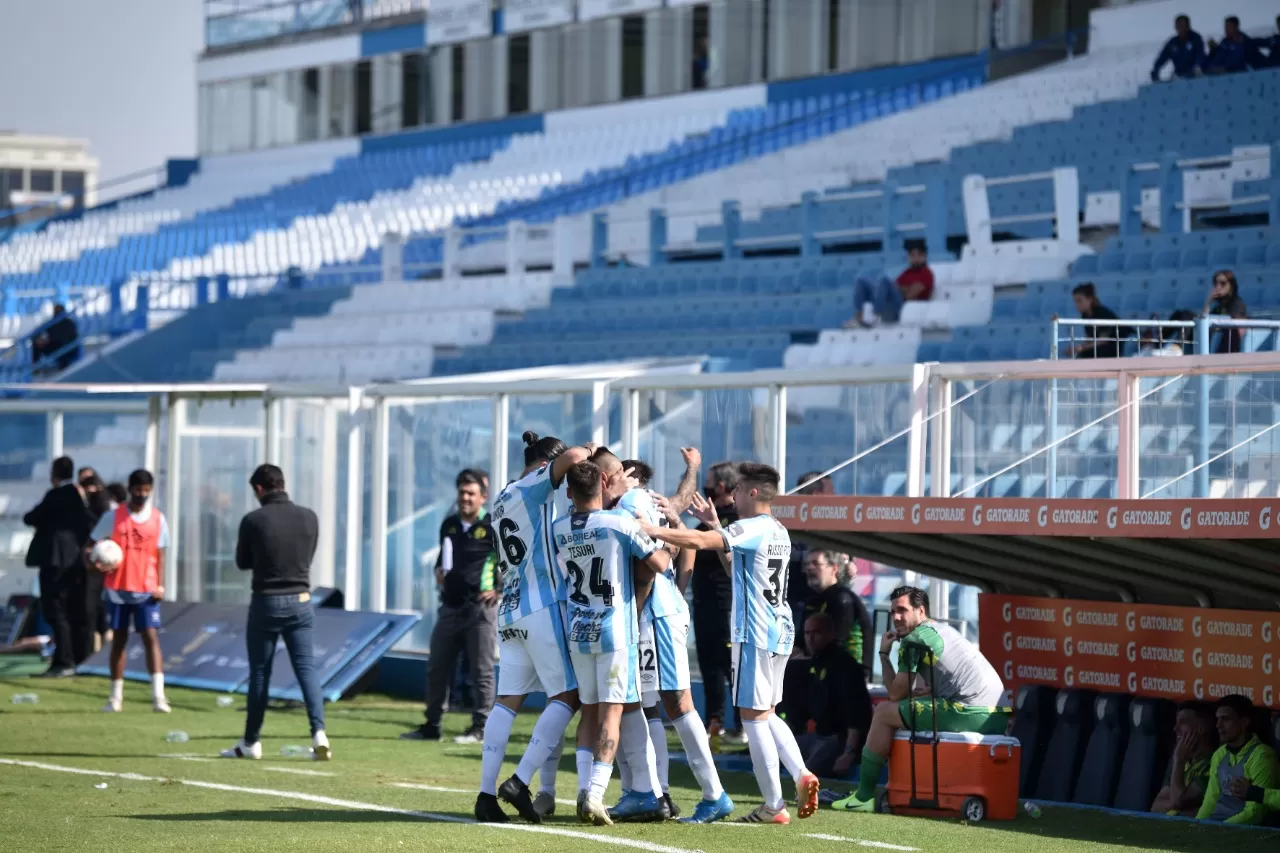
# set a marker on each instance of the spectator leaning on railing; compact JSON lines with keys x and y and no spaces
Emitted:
{"x":1272,"y":46}
{"x":1224,"y":301}
{"x":1100,"y":341}
{"x":1185,"y":50}
{"x":1168,"y":340}
{"x":1235,"y":53}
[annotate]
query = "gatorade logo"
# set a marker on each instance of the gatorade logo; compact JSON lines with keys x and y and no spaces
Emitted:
{"x":977,"y":515}
{"x":1196,"y":659}
{"x":1195,"y":627}
{"x":1067,"y":648}
{"x":1131,"y":651}
{"x":1264,"y":518}
{"x":915,"y":513}
{"x":1042,"y":517}
{"x":1066,"y":616}
{"x":1007,"y":612}
{"x":1112,"y":516}
{"x":1008,"y":641}
{"x":1267,"y":696}
{"x":1131,"y":620}
{"x":1008,"y":670}
{"x":1069,"y":677}
{"x":1133,"y":682}
{"x":857,"y":513}
{"x":1198,"y":688}
{"x":804,"y":513}
{"x":1186,"y":518}
{"x":1266,"y":663}
{"x":1266,"y":632}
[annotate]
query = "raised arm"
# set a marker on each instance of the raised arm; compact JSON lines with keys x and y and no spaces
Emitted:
{"x":695,"y":540}
{"x":689,"y":483}
{"x":567,"y":460}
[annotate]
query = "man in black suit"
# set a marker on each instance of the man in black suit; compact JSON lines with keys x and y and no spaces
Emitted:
{"x":62,"y":523}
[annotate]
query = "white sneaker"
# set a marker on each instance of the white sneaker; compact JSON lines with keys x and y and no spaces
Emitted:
{"x":112,"y":707}
{"x":161,"y":706}
{"x":241,"y":751}
{"x":320,"y":746}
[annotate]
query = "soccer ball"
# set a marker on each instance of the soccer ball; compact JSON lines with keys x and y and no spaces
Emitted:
{"x":106,"y":554}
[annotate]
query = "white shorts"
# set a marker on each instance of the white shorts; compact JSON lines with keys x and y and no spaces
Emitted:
{"x":664,"y":656}
{"x":756,"y":677}
{"x":607,"y":677}
{"x":534,"y":655}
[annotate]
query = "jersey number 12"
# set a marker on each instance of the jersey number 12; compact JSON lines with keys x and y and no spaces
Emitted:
{"x":597,"y":585}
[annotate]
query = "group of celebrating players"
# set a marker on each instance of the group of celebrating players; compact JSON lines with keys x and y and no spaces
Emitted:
{"x":593,"y":614}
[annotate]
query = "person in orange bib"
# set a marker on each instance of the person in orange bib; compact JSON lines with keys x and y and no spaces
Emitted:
{"x":133,"y":590}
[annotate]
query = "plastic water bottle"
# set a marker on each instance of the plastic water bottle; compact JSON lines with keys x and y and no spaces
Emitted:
{"x":226,"y":701}
{"x":295,"y":751}
{"x":177,"y":737}
{"x":1032,"y":809}
{"x":25,"y":699}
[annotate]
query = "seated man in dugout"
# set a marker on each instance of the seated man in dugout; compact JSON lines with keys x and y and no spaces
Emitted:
{"x":1188,"y":779}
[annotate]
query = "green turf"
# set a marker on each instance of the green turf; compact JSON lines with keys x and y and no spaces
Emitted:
{"x":47,"y":810}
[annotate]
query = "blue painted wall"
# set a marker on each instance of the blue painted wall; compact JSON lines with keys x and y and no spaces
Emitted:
{"x":877,"y":78}
{"x":399,"y":39}
{"x":455,"y":133}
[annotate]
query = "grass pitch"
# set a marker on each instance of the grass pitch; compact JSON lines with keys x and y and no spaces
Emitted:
{"x":73,"y":778}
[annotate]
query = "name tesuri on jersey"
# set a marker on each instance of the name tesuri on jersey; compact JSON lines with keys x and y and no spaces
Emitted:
{"x":594,"y":551}
{"x":666,"y":598}
{"x":760,"y":616}
{"x":522,"y":516}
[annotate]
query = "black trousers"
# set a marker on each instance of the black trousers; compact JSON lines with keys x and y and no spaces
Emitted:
{"x":715,"y":660}
{"x":62,"y":600}
{"x":472,"y":627}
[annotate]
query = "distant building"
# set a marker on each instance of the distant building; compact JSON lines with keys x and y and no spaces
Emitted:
{"x":44,"y":170}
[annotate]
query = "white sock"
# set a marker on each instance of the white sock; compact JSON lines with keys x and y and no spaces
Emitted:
{"x":585,"y":758}
{"x":634,"y":741}
{"x":600,"y":774}
{"x":764,"y":761}
{"x":788,"y":749}
{"x":661,"y":755}
{"x":497,"y":731}
{"x":157,"y":686}
{"x":117,"y":691}
{"x":624,"y":769}
{"x":697,"y":750}
{"x":547,"y":772}
{"x":548,"y":733}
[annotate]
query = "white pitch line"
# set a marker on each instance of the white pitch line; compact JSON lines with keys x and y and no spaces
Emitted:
{"x":181,"y":757}
{"x":297,"y":771}
{"x":878,"y":844}
{"x":439,"y":790}
{"x":355,"y":805}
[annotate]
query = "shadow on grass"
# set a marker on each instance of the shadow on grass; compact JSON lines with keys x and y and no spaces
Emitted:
{"x":1139,"y":833}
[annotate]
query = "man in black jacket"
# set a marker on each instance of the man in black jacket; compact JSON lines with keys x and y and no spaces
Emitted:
{"x":468,"y":616}
{"x":62,"y":523}
{"x":849,"y":615}
{"x":277,"y":544}
{"x":712,"y":601}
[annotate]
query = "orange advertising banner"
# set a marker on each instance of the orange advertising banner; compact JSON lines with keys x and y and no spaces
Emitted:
{"x":1145,"y":650}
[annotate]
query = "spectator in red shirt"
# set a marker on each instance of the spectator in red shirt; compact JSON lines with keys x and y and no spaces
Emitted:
{"x":886,"y":297}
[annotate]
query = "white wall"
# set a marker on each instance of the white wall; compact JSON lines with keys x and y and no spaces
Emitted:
{"x":119,"y":74}
{"x":1152,"y":21}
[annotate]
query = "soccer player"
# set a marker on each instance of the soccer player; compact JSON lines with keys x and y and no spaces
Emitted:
{"x":756,"y":551}
{"x":134,"y":589}
{"x":596,"y":549}
{"x":531,"y":634}
{"x":664,"y":653}
{"x":967,"y":688}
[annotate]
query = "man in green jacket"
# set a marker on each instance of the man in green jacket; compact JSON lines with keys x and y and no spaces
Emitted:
{"x":1242,"y":758}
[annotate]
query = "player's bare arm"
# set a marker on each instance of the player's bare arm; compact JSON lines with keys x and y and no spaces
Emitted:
{"x":568,"y":459}
{"x":688,"y":487}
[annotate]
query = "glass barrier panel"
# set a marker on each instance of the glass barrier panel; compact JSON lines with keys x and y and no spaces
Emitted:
{"x":428,"y":444}
{"x":215,"y":495}
{"x":725,"y":424}
{"x":828,"y":425}
{"x":566,"y":416}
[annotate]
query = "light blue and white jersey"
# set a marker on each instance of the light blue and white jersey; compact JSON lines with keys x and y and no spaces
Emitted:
{"x":666,"y":598}
{"x":761,"y":551}
{"x":594,"y":551}
{"x":522,"y":516}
